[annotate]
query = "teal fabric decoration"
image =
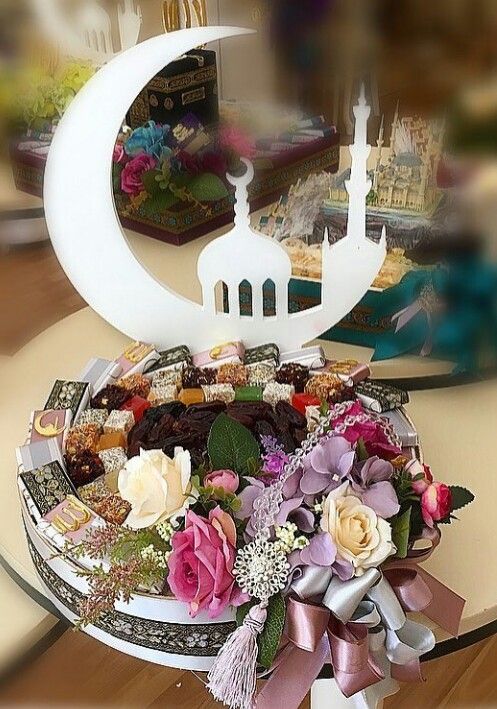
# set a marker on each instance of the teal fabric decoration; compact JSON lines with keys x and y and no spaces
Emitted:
{"x":450,"y":312}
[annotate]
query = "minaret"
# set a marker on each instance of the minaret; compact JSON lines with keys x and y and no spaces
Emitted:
{"x":395,"y":126}
{"x":380,"y":144}
{"x":358,"y":186}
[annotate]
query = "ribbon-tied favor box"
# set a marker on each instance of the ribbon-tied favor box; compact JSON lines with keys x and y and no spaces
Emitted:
{"x":380,"y":397}
{"x":47,"y":486}
{"x":226,"y":353}
{"x":135,"y":358}
{"x":69,"y":395}
{"x":48,"y":424}
{"x":312,"y":357}
{"x":262,"y":354}
{"x":174,"y":358}
{"x":98,"y":373}
{"x":71,"y":518}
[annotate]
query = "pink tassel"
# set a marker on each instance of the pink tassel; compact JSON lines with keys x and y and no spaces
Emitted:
{"x":232,"y":679}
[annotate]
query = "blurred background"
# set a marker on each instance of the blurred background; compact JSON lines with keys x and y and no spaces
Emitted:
{"x":284,"y":98}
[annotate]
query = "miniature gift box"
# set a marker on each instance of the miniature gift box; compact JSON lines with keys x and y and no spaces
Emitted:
{"x":350,"y":371}
{"x":69,"y":395}
{"x":135,"y":358}
{"x":189,"y":83}
{"x":49,"y":424}
{"x":71,"y":518}
{"x":221,"y":354}
{"x":47,"y":486}
{"x":380,"y":397}
{"x":312,"y":357}
{"x":269,"y":353}
{"x":176,"y":358}
{"x":98,"y":372}
{"x":35,"y":455}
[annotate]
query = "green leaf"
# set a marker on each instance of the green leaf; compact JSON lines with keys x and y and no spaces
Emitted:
{"x":158,"y":204}
{"x":208,"y":188}
{"x":361,"y":450}
{"x":460,"y":497}
{"x":231,"y":445}
{"x":116,"y":177}
{"x":400,"y":533}
{"x":150,"y":183}
{"x":270,"y":638}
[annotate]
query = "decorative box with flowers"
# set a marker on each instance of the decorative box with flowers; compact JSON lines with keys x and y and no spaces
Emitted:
{"x":183,"y":501}
{"x":170,"y":182}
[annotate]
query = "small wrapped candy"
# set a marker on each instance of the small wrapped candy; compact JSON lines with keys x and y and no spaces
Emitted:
{"x":293,"y":373}
{"x":234,"y":374}
{"x":194,"y":377}
{"x":112,"y":509}
{"x":95,"y":416}
{"x":326,"y":387}
{"x":261,"y":373}
{"x":137,"y":405}
{"x":119,"y":422}
{"x":249,"y":393}
{"x":112,"y":440}
{"x":84,"y":468}
{"x":110,"y":397}
{"x":220,"y":354}
{"x":191,"y":396}
{"x":163,"y":394}
{"x":82,"y":438}
{"x":167,"y":376}
{"x":274,"y":392}
{"x":219,"y":392}
{"x":113,"y":459}
{"x":301,"y":402}
{"x":136,"y":384}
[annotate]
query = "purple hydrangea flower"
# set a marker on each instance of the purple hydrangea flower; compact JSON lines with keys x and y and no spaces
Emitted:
{"x":327,"y":466}
{"x":371,"y":480}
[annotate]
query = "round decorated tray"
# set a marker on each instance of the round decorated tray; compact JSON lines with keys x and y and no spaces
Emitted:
{"x":89,"y":429}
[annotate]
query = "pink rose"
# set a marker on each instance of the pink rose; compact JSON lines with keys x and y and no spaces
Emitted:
{"x":415,"y":468}
{"x":236,"y":140}
{"x":131,"y":176}
{"x":201,"y":564}
{"x":119,"y":155}
{"x":371,"y":432}
{"x":227,"y":480}
{"x":436,"y":503}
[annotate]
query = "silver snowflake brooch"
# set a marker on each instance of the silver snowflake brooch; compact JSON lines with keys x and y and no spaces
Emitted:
{"x":261,"y":569}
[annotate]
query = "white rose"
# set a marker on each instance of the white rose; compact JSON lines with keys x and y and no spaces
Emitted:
{"x":361,"y":537}
{"x":157,"y":487}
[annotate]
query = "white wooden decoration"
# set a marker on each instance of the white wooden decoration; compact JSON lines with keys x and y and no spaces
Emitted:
{"x":94,"y":253}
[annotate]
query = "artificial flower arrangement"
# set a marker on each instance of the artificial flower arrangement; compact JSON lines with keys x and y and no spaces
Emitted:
{"x":275,"y":490}
{"x":160,"y":167}
{"x":36,"y":97}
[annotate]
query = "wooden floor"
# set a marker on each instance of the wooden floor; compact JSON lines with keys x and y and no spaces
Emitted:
{"x":35,"y":293}
{"x":105,"y":677}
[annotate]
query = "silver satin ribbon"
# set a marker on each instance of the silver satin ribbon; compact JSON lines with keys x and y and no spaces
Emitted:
{"x":370,"y":600}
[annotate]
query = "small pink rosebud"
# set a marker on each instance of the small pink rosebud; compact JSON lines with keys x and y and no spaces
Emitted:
{"x":436,"y":503}
{"x":227,"y":480}
{"x":415,"y":468}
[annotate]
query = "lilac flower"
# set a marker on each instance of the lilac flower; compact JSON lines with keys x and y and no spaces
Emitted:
{"x":274,"y":459}
{"x":327,"y":466}
{"x":320,"y":553}
{"x":371,"y":480}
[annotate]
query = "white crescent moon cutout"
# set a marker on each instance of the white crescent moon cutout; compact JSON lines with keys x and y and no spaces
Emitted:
{"x":94,"y":253}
